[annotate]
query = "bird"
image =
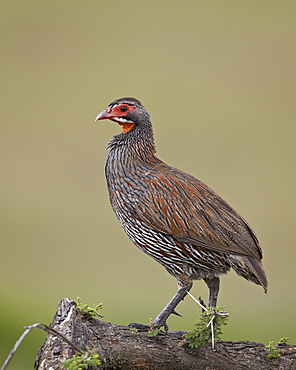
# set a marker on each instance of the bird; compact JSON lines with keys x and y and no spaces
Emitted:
{"x":172,"y":216}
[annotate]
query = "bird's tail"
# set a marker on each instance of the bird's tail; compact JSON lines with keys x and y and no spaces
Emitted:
{"x":250,"y":269}
{"x":258,"y":270}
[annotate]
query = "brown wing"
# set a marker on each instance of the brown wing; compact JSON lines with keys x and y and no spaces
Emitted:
{"x":177,"y":204}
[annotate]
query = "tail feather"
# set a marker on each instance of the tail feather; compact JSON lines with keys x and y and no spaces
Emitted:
{"x":258,"y":270}
{"x":250,"y":269}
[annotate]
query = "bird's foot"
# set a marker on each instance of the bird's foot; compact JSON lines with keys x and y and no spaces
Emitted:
{"x":160,"y":321}
{"x":140,"y":327}
{"x":158,"y":324}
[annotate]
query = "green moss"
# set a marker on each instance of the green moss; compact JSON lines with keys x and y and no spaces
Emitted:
{"x":153,"y":332}
{"x":81,"y":361}
{"x":273,"y":350}
{"x":87,"y":311}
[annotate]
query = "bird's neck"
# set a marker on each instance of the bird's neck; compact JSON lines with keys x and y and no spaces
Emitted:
{"x":136,"y":146}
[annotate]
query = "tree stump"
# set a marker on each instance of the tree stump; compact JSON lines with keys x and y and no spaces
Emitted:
{"x":119,"y":347}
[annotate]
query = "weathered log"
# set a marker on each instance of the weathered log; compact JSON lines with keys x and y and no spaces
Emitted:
{"x":119,"y":347}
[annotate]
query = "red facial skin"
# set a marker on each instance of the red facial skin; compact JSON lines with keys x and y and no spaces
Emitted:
{"x":117,"y":115}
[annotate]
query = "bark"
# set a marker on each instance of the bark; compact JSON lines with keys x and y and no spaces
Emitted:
{"x":119,"y":347}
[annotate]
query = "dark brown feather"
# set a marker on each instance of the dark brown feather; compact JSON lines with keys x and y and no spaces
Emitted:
{"x":191,"y":212}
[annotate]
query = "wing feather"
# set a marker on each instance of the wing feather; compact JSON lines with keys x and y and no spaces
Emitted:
{"x":178,"y":204}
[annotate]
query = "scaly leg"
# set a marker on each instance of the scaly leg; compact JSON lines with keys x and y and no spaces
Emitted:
{"x":170,"y":307}
{"x":213,"y":285}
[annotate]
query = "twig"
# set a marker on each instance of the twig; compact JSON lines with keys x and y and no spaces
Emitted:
{"x":56,"y":333}
{"x":17,"y":344}
{"x":203,"y":307}
{"x":27,"y":331}
{"x":211,"y":322}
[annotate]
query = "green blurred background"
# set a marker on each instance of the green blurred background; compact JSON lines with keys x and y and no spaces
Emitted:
{"x":218,"y":78}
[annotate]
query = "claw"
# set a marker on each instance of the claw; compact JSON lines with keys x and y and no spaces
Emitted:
{"x":140,"y":327}
{"x":161,"y":324}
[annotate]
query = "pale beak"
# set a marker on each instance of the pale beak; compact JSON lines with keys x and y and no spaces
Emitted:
{"x":104,"y":115}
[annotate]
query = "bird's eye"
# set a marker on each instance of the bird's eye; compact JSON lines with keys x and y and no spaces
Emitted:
{"x":123,"y":108}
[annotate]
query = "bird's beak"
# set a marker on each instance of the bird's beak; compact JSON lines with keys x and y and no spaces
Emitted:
{"x":104,"y":115}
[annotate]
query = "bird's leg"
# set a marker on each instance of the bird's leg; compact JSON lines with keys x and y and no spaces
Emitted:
{"x":170,"y":307}
{"x":213,"y":285}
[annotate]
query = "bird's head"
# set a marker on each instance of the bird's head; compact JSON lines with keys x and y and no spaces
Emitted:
{"x":127,"y":112}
